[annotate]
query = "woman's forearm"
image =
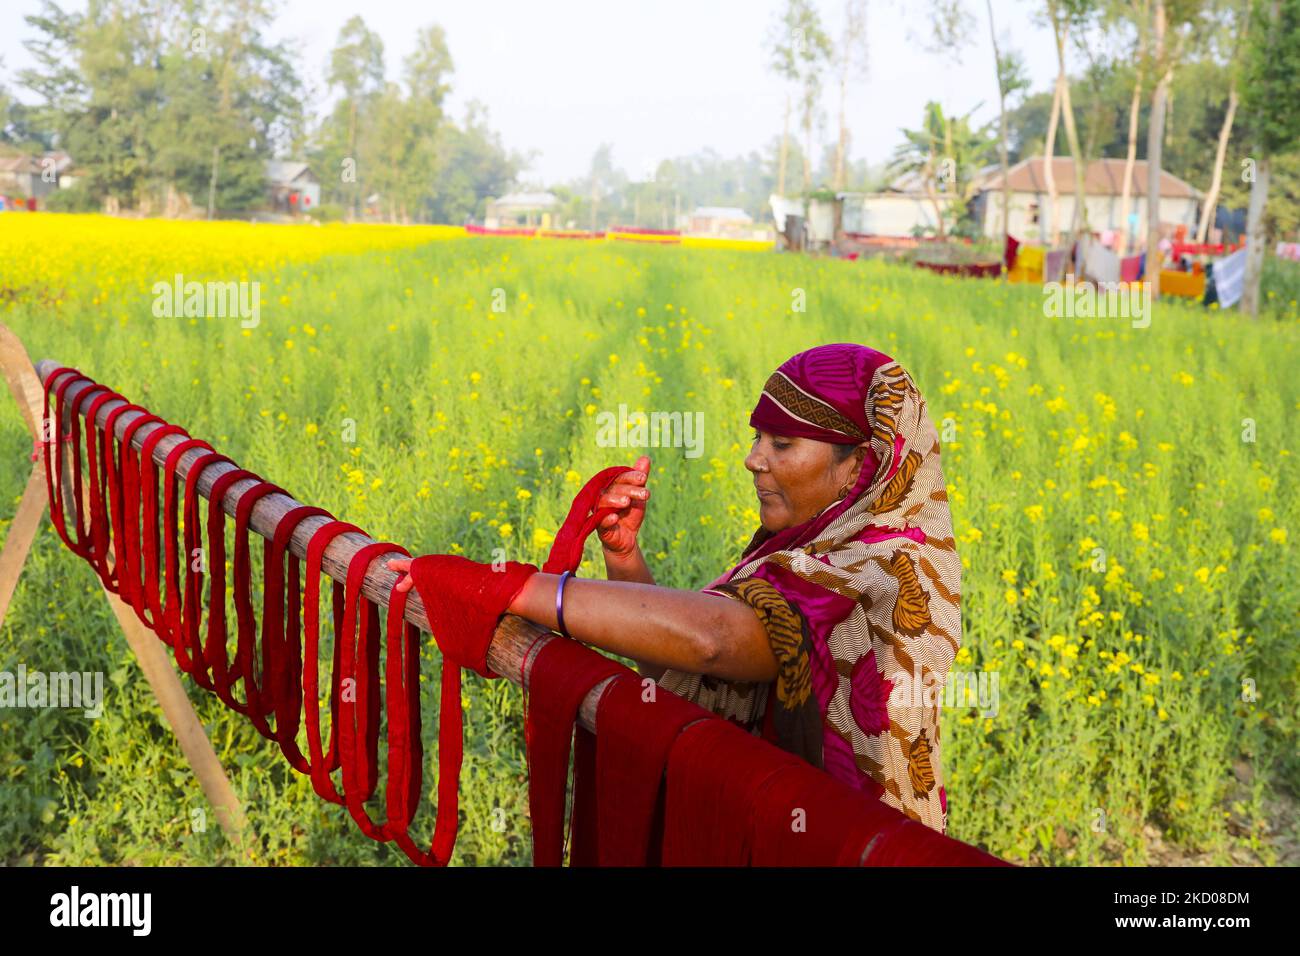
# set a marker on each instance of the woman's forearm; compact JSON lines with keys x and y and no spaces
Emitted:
{"x":660,"y":627}
{"x":631,"y":567}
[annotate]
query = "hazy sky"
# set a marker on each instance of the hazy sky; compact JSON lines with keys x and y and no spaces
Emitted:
{"x":654,"y":79}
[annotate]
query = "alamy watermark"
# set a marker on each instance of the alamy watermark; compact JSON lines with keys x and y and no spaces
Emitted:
{"x":192,"y":300}
{"x":72,"y":690}
{"x":959,"y":689}
{"x":655,"y":430}
{"x":74,"y":908}
{"x":1098,"y":300}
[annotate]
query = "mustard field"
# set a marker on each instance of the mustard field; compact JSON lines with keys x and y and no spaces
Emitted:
{"x":1124,"y":499}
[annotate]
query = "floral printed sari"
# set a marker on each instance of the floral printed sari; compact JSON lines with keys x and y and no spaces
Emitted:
{"x":861,"y":603}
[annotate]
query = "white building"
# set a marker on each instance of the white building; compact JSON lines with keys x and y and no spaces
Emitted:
{"x":889,"y":213}
{"x":718,"y":221}
{"x":1103,"y":187}
{"x":521,"y":209}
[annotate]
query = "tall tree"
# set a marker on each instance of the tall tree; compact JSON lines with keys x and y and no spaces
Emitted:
{"x":119,"y":80}
{"x":1175,"y":25}
{"x":813,"y":53}
{"x":255,"y":92}
{"x":1271,"y":111}
{"x":1049,"y":166}
{"x":1163,"y":67}
{"x":783,"y":44}
{"x":1235,"y":31}
{"x":1140,"y":14}
{"x":473,"y":165}
{"x":1012,"y":79}
{"x":851,"y":61}
{"x":1064,"y":16}
{"x":602,"y":178}
{"x":427,"y":71}
{"x":357,"y":69}
{"x":100,"y":91}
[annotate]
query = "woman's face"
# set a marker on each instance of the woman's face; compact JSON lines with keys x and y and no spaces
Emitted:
{"x":796,"y":478}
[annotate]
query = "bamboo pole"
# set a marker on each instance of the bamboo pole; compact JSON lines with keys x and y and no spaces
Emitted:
{"x":26,"y":390}
{"x":22,"y":532}
{"x":514,"y":636}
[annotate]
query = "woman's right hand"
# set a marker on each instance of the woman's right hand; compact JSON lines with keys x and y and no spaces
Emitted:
{"x":628,"y":493}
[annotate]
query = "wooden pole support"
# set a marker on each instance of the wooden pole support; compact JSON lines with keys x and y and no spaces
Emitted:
{"x":22,"y":532}
{"x":176,"y":707}
{"x":26,"y":390}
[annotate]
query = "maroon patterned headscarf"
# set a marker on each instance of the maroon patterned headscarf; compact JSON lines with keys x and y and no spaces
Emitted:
{"x":819,"y":394}
{"x":824,"y":394}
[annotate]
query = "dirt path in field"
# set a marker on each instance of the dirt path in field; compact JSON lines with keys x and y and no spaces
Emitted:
{"x":1281,"y":832}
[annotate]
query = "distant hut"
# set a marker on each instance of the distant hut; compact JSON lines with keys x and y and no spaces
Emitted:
{"x":294,"y":187}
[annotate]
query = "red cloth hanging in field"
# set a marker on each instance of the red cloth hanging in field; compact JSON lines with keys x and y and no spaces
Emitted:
{"x":282,"y":635}
{"x":359,"y":711}
{"x":561,"y":676}
{"x":804,"y":817}
{"x":1009,"y":252}
{"x":735,"y":800}
{"x":173,"y":632}
{"x":618,"y":772}
{"x":909,"y":843}
{"x":96,"y":452}
{"x":464,"y":600}
{"x":150,"y":599}
{"x":714,"y":768}
{"x":125,"y":517}
{"x":322,"y":761}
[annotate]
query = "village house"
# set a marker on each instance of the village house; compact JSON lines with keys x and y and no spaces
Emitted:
{"x":521,"y":210}
{"x":293,"y":186}
{"x":907,"y":207}
{"x":718,"y":221}
{"x":1103,"y":183}
{"x":27,"y":177}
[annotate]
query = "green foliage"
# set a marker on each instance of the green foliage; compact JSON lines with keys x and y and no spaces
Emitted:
{"x":1213,"y":55}
{"x":945,"y":154}
{"x":329,"y":212}
{"x":1269,"y":104}
{"x":396,"y":139}
{"x":72,"y":199}
{"x":145,"y":101}
{"x":149,"y":105}
{"x":1070,"y":434}
{"x":474,"y":166}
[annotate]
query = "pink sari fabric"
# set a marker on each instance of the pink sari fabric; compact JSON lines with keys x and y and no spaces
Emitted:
{"x":875,"y":578}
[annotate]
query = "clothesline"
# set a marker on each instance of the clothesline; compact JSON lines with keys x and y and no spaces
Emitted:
{"x":514,"y":635}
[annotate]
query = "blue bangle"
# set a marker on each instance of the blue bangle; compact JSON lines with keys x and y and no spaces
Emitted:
{"x":559,"y":603}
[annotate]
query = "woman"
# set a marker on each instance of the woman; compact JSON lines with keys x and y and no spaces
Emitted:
{"x":843,"y":613}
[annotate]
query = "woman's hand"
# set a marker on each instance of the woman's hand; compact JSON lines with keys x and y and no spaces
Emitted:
{"x":403,"y":567}
{"x":628,"y":493}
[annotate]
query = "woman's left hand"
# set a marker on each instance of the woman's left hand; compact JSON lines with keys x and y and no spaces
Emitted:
{"x":403,"y":567}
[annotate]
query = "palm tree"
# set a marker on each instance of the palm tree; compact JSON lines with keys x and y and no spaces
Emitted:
{"x":945,"y":154}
